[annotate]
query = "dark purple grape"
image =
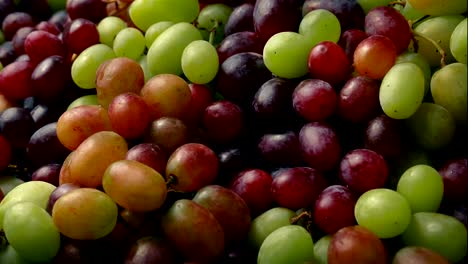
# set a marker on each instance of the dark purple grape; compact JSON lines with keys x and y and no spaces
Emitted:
{"x":19,"y":37}
{"x":6,"y":7}
{"x":7,"y":53}
{"x":279,"y":150}
{"x":384,"y":135}
{"x":79,"y":35}
{"x":241,"y":19}
{"x":17,"y":126}
{"x":39,"y":9}
{"x":223,"y":121}
{"x":314,"y":99}
{"x":59,"y":192}
{"x":15,"y":21}
{"x":231,"y":162}
{"x":48,"y":173}
{"x":455,"y":175}
{"x":93,"y":10}
{"x":59,"y":19}
{"x":49,"y":78}
{"x":43,"y":114}
{"x":349,"y":12}
{"x":244,"y":41}
{"x":151,"y":250}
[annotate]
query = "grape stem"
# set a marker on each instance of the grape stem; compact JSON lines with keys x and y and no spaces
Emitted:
{"x":443,"y":54}
{"x":171,"y":180}
{"x":296,"y":219}
{"x":213,"y":32}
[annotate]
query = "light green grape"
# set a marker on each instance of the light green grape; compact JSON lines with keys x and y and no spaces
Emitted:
{"x":155,"y":30}
{"x":458,"y":40}
{"x":321,"y":249}
{"x":90,"y":99}
{"x":214,"y":17}
{"x":200,"y":62}
{"x":108,"y":28}
{"x":10,"y":256}
{"x":420,"y":61}
{"x":129,"y":43}
{"x":444,"y":234}
{"x":285,"y":245}
{"x":410,"y":13}
{"x":367,"y":5}
{"x":145,"y":13}
{"x":286,"y":54}
{"x":143,"y":61}
{"x":84,"y":67}
{"x":438,"y":29}
{"x":432,"y":126}
{"x":320,"y":25}
{"x":31,"y":232}
{"x":402,"y":90}
{"x":383,"y":211}
{"x":449,"y":89}
{"x":439,"y":7}
{"x":423,"y":188}
{"x":164,"y":55}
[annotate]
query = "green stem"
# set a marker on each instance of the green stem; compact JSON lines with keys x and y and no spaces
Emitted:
{"x":443,"y":54}
{"x":213,"y":32}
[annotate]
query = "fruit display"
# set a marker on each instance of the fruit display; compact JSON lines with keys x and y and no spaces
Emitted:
{"x":233,"y":131}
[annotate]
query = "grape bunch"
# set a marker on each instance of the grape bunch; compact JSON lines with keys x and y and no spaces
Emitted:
{"x":233,"y":131}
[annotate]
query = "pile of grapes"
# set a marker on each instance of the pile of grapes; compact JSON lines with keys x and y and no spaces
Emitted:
{"x":235,"y":131}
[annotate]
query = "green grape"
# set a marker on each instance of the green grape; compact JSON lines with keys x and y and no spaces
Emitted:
{"x":383,"y":211}
{"x":410,"y":13}
{"x":8,"y":183}
{"x":143,"y":61}
{"x":10,"y":256}
{"x":84,"y":67}
{"x":214,"y":17}
{"x":367,"y":5}
{"x":90,"y":99}
{"x":108,"y":28}
{"x":320,"y":25}
{"x":286,"y":54}
{"x":164,"y":55}
{"x":145,"y":13}
{"x":129,"y":43}
{"x":444,"y":234}
{"x":321,"y":249}
{"x":267,"y":222}
{"x":155,"y":30}
{"x":402,"y":90}
{"x":458,"y":40}
{"x":56,"y":5}
{"x":423,"y":188}
{"x":449,"y":89}
{"x":287,"y":244}
{"x":200,"y":62}
{"x":439,"y":29}
{"x":420,"y":61}
{"x":31,"y":232}
{"x":439,"y":7}
{"x":432,"y":126}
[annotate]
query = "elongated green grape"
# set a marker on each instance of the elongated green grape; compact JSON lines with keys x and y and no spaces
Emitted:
{"x":320,"y":25}
{"x":367,"y":5}
{"x":449,"y":89}
{"x":90,"y":99}
{"x":321,"y":249}
{"x":432,"y":126}
{"x":145,"y":13}
{"x":402,"y":90}
{"x":214,"y":17}
{"x":129,"y":43}
{"x":383,"y":211}
{"x":438,"y":29}
{"x":31,"y":232}
{"x":286,"y":54}
{"x":420,"y":61}
{"x":423,"y":187}
{"x":439,"y":7}
{"x":155,"y":30}
{"x":458,"y":39}
{"x":444,"y":234}
{"x":108,"y":28}
{"x":164,"y":55}
{"x":84,"y":67}
{"x":143,"y":61}
{"x":200,"y":62}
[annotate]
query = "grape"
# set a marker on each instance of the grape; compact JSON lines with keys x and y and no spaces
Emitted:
{"x":155,"y":30}
{"x":17,"y":126}
{"x":423,"y":188}
{"x":39,"y":45}
{"x":193,"y":231}
{"x":418,"y":255}
{"x":60,"y":191}
{"x":280,"y":149}
{"x":59,"y":18}
{"x":9,"y":255}
{"x":108,"y":28}
{"x":410,"y":13}
{"x":93,"y":10}
{"x":79,"y":35}
{"x":458,"y":39}
{"x":14,"y":21}
{"x":168,"y":132}
{"x":437,"y":7}
{"x":441,"y":233}
{"x":122,"y":111}
{"x":232,"y":160}
{"x":15,"y":80}
{"x":449,"y":89}
{"x":145,"y":191}
{"x":349,"y":40}
{"x":439,"y":29}
{"x":374,"y":56}
{"x":151,"y":250}
{"x":49,"y":27}
{"x":244,"y":41}
{"x":384,"y":135}
{"x":201,"y":97}
{"x":421,"y":62}
{"x":266,"y":223}
{"x":84,"y":100}
{"x":286,"y":54}
{"x":169,"y":46}
{"x":145,"y":13}
{"x":402,"y":90}
{"x":85,"y":66}
{"x":31,"y":232}
{"x":320,"y":25}
{"x":200,"y":62}
{"x":5,"y":153}
{"x":321,"y":249}
{"x":129,"y":42}
{"x":368,"y":5}
{"x":144,"y":65}
{"x":117,"y":76}
{"x":211,"y":21}
{"x":328,"y":62}
{"x":454,"y":173}
{"x":50,"y":78}
{"x":432,"y":126}
{"x":149,"y":154}
{"x":287,"y":244}
{"x":349,"y":13}
{"x":384,"y":212}
{"x":241,"y":19}
{"x":85,"y":213}
{"x":7,"y":53}
{"x":223,"y":121}
{"x":19,"y":37}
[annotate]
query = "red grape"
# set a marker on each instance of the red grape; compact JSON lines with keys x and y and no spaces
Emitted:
{"x":50,"y":78}
{"x":238,"y":42}
{"x":19,"y":38}
{"x":17,"y":126}
{"x":314,"y":99}
{"x":455,"y":175}
{"x":384,"y":135}
{"x":149,"y":154}
{"x":49,"y":27}
{"x":201,"y":97}
{"x":79,"y":35}
{"x":15,"y":21}
{"x":151,"y":250}
{"x":42,"y":44}
{"x":223,"y":121}
{"x":168,"y":132}
{"x":280,"y":149}
{"x":15,"y":80}
{"x":374,"y":56}
{"x":93,"y":10}
{"x":328,"y":62}
{"x":49,"y":173}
